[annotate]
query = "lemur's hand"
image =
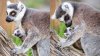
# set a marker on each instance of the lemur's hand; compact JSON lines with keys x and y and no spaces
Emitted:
{"x":68,"y":32}
{"x":62,"y":43}
{"x":17,"y":50}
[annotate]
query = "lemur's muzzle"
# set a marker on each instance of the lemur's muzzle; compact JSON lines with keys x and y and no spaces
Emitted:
{"x":68,"y":20}
{"x":68,"y":23}
{"x":8,"y":19}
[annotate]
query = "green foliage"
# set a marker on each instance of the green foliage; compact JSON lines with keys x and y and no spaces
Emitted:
{"x":29,"y":53}
{"x":61,"y":29}
{"x":17,"y":40}
{"x":34,"y":3}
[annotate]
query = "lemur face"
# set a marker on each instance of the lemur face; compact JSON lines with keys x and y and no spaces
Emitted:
{"x":14,"y":11}
{"x":64,"y":13}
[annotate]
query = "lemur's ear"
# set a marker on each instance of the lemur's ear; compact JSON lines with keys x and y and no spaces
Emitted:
{"x":8,"y":2}
{"x":20,"y":5}
{"x":65,"y":6}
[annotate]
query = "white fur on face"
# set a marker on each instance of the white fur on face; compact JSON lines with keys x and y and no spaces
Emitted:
{"x":21,"y":14}
{"x":62,"y":19}
{"x":66,"y":6}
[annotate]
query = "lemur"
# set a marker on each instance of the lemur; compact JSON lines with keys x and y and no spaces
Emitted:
{"x":87,"y":19}
{"x":32,"y":25}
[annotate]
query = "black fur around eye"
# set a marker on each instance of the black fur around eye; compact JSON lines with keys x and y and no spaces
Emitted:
{"x":59,"y":12}
{"x":13,"y":13}
{"x":67,"y":17}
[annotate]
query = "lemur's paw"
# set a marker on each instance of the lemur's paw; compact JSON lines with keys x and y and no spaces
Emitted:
{"x":17,"y":50}
{"x":61,"y":43}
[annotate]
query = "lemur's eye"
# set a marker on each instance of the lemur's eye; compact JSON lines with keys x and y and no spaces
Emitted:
{"x":67,"y":17}
{"x":13,"y":13}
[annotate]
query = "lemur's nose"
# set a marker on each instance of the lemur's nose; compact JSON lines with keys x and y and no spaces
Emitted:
{"x":18,"y":33}
{"x":68,"y":23}
{"x":8,"y":19}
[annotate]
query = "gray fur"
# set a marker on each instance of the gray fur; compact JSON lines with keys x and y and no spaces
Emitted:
{"x":91,"y":44}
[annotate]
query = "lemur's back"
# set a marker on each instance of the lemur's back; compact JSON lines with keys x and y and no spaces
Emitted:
{"x":37,"y":18}
{"x":89,"y":15}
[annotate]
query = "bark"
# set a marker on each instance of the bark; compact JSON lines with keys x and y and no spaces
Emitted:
{"x":6,"y":44}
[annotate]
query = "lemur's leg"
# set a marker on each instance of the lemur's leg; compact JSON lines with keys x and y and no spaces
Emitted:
{"x":43,"y":47}
{"x":34,"y":51}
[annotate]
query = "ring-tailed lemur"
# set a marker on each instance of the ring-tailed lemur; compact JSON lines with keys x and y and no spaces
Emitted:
{"x":32,"y":25}
{"x":87,"y":19}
